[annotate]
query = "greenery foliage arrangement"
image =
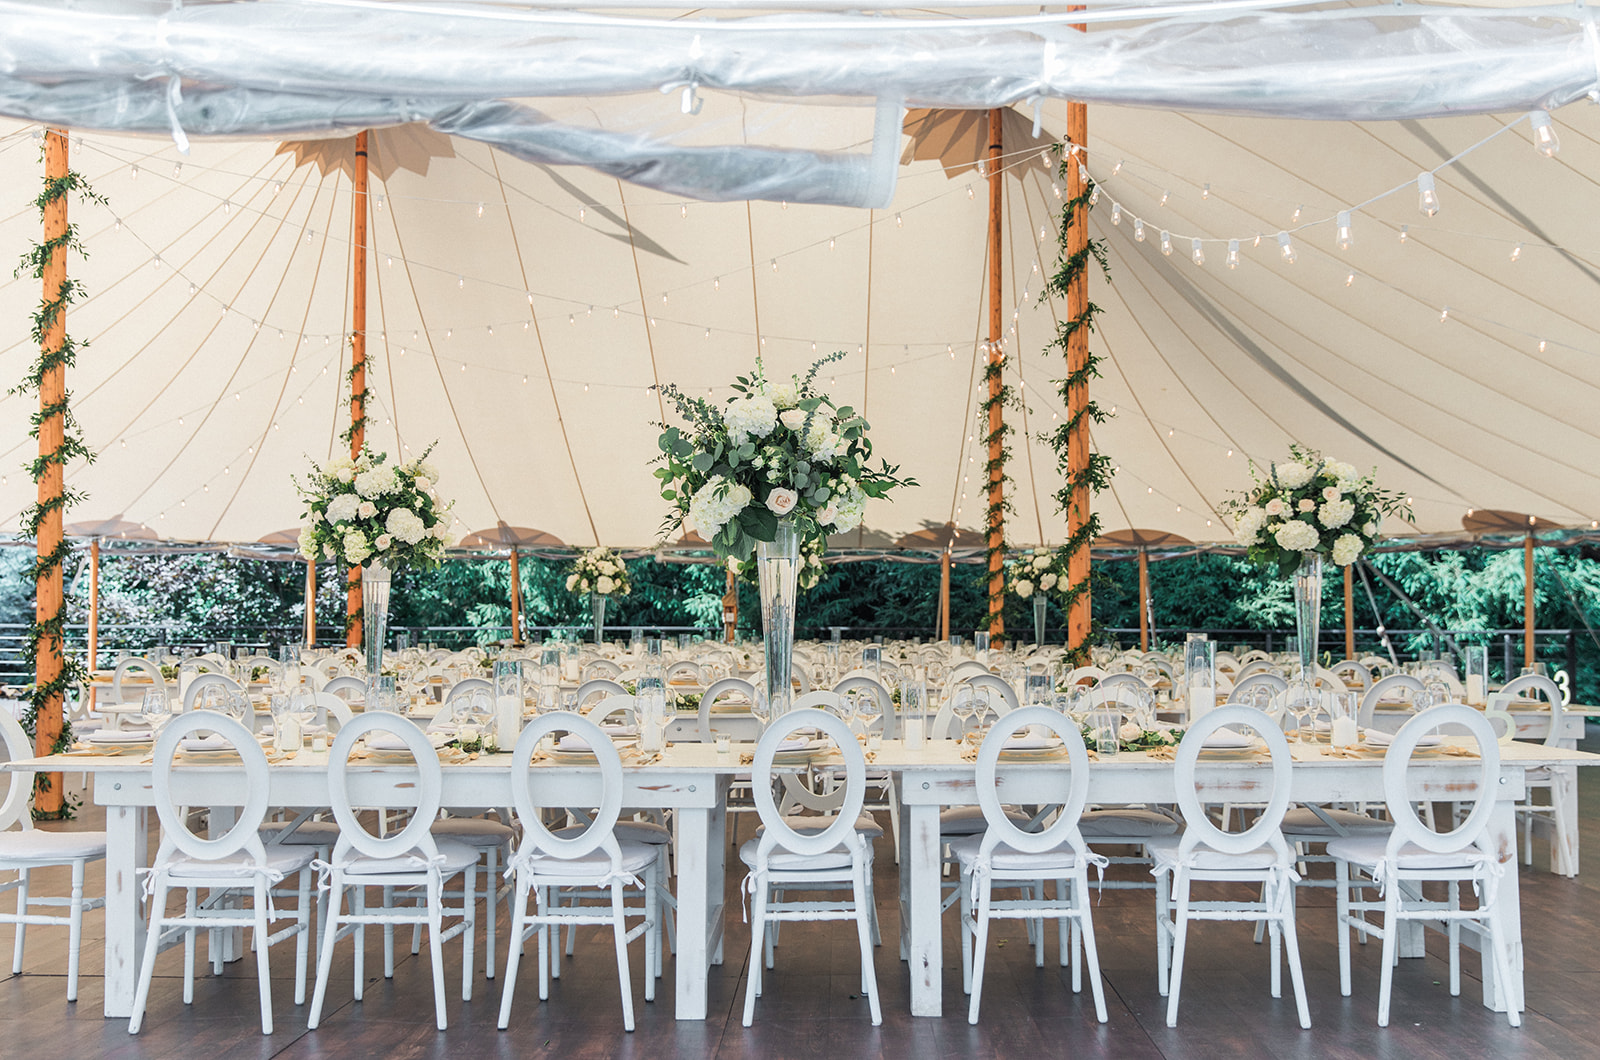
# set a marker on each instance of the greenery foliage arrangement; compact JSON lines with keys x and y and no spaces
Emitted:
{"x":775,"y":449}
{"x":367,"y":510}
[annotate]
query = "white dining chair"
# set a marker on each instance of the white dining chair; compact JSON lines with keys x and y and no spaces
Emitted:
{"x":598,"y":686}
{"x":237,"y":863}
{"x":1382,"y":689}
{"x":24,"y":848}
{"x":346,"y":687}
{"x":191,"y":696}
{"x":411,"y":864}
{"x":1413,"y":854}
{"x":585,"y":860}
{"x":1006,"y":854}
{"x":1244,"y":689}
{"x":1545,"y":778}
{"x":1206,"y":853}
{"x":782,"y":860}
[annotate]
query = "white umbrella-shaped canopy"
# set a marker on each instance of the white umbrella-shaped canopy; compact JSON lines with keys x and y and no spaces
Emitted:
{"x":519,"y":313}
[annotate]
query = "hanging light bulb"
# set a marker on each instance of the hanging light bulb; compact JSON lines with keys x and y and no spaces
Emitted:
{"x":1545,"y":140}
{"x":1342,"y":230}
{"x":1198,"y":254}
{"x":1233,"y":253}
{"x":899,"y":222}
{"x":1427,"y":194}
{"x":1349,"y":281}
{"x":1166,"y":242}
{"x":1543,"y":345}
{"x":1405,"y":233}
{"x":1094,"y":196}
{"x":1116,"y":168}
{"x":1444,"y":314}
{"x":716,"y":284}
{"x":1296,"y":218}
{"x":1286,"y":248}
{"x":581,"y":213}
{"x":683,"y":211}
{"x":1164,"y":196}
{"x":1138,"y":230}
{"x":1205,"y":191}
{"x":480,"y":209}
{"x":1116,"y":213}
{"x":1516,"y":252}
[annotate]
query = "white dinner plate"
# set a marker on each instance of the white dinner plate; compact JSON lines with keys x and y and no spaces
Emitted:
{"x":1228,"y":740}
{"x":384,"y":741}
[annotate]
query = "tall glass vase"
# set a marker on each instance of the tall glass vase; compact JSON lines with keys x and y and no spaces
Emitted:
{"x":374,"y":614}
{"x":1308,"y":610}
{"x":1039,"y":604}
{"x":597,"y":603}
{"x":778,"y":569}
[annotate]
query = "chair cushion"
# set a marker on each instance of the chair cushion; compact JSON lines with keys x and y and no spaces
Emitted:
{"x":309,"y":834}
{"x":636,"y":857}
{"x":457,"y":856}
{"x":1302,"y":821}
{"x":1165,"y":851}
{"x":477,"y":832}
{"x":968,"y":820}
{"x":1125,"y":823}
{"x":647,"y":832}
{"x":284,"y":859}
{"x":815,"y":824}
{"x":786,"y":861}
{"x":1367,"y":850}
{"x":38,"y":845}
{"x":1046,"y":862}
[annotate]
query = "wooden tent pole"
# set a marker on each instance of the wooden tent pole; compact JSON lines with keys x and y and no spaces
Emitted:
{"x":94,"y":603}
{"x":944,"y":595}
{"x":48,"y":600}
{"x":516,"y":600}
{"x":1144,"y":599}
{"x":997,"y":526}
{"x":1527,"y":601}
{"x":1349,"y":613}
{"x":1078,"y":511}
{"x":358,"y":357}
{"x":311,"y":603}
{"x":730,"y":609}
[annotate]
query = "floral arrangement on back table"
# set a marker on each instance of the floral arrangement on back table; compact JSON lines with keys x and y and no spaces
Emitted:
{"x":598,"y":570}
{"x":1308,"y":504}
{"x":775,"y":449}
{"x":1040,"y":570}
{"x":367,"y":510}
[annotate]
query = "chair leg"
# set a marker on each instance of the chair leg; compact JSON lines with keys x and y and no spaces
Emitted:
{"x":519,"y":916}
{"x":469,"y":915}
{"x":491,"y":907}
{"x":263,"y":957}
{"x":547,"y":945}
{"x":1083,"y":925}
{"x":74,"y":932}
{"x":152,"y":945}
{"x":619,"y":931}
{"x":1341,"y":921}
{"x":1180,"y":937}
{"x":652,"y":932}
{"x":436,"y":950}
{"x":1163,"y":926}
{"x":302,"y":943}
{"x":965,"y":924}
{"x":1455,"y":940}
{"x":330,"y":930}
{"x":22,"y":929}
{"x":190,"y":904}
{"x":1391,"y":928}
{"x":758,"y":932}
{"x":869,"y":974}
{"x":358,"y":907}
{"x":980,"y":946}
{"x":1291,"y":942}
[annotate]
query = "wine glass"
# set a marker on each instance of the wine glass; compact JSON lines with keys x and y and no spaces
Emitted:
{"x":236,"y":704}
{"x":154,"y":709}
{"x":761,"y":707}
{"x":963,"y":706}
{"x":868,"y":708}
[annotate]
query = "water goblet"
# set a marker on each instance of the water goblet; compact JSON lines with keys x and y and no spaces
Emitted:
{"x":154,"y":709}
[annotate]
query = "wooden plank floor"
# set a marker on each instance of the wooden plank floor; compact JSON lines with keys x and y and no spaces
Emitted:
{"x":813,"y":1008}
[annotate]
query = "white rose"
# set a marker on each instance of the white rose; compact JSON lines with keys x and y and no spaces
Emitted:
{"x":1345,"y":549}
{"x":343,"y":508}
{"x":1370,"y":529}
{"x":1047,"y":583}
{"x":423,"y":484}
{"x":1292,"y":476}
{"x":1040,"y":562}
{"x":345,"y":474}
{"x":781,"y":501}
{"x":327,"y":550}
{"x":367,"y":510}
{"x":1296,"y":536}
{"x":1331,"y":493}
{"x":1024,"y":588}
{"x":572,"y":582}
{"x":1129,"y":731}
{"x":1307,"y":504}
{"x":604,"y":585}
{"x":827,"y":515}
{"x":794,"y":419}
{"x":1276,"y":506}
{"x":1335,"y":513}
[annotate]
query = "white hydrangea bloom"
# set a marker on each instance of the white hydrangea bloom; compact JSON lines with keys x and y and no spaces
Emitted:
{"x":715,"y":503}
{"x":1345,"y":473}
{"x":356,"y":548}
{"x":404,"y":524}
{"x":343,"y":508}
{"x":1040,"y":561}
{"x":751,"y":417}
{"x":1047,"y":583}
{"x":851,"y":509}
{"x":572,"y":582}
{"x":377,"y":482}
{"x":1346,"y":547}
{"x":604,"y":585}
{"x":1249,"y":528}
{"x":1336,"y":513}
{"x":1296,"y":535}
{"x":1023,"y":588}
{"x":784,"y":393}
{"x":308,"y":544}
{"x":1292,"y":476}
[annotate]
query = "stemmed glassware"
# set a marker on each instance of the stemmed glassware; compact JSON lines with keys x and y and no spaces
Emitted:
{"x":154,"y":710}
{"x":963,"y":706}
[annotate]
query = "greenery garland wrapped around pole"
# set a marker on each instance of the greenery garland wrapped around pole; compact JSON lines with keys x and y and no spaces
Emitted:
{"x":60,"y":441}
{"x":356,"y":435}
{"x":998,"y":394}
{"x":1083,"y":471}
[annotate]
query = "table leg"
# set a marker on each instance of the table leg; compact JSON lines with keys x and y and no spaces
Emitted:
{"x":126,"y":853}
{"x":1502,"y":838}
{"x":922,"y":867}
{"x":697,"y":894}
{"x":1564,"y":797}
{"x":716,"y":869}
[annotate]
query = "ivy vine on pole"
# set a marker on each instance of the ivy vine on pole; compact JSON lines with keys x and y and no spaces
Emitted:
{"x":61,"y":442}
{"x":999,"y":395}
{"x":1090,"y":473}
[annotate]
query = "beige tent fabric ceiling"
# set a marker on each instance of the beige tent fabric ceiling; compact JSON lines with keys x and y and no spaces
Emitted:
{"x":519,"y":314}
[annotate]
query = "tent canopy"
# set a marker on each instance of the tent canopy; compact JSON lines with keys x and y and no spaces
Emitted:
{"x":520,"y":311}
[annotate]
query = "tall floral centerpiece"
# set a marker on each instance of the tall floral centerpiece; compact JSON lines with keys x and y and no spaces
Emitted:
{"x":775,"y":465}
{"x":1033,"y":575}
{"x":1302,"y":511}
{"x":599,"y":574}
{"x":382,"y":516}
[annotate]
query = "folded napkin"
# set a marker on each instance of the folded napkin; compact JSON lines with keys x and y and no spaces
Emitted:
{"x":1032,"y":741}
{"x":116,"y":736}
{"x":213,"y":742}
{"x":1379,"y":738}
{"x":1227,"y":739}
{"x":384,"y":741}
